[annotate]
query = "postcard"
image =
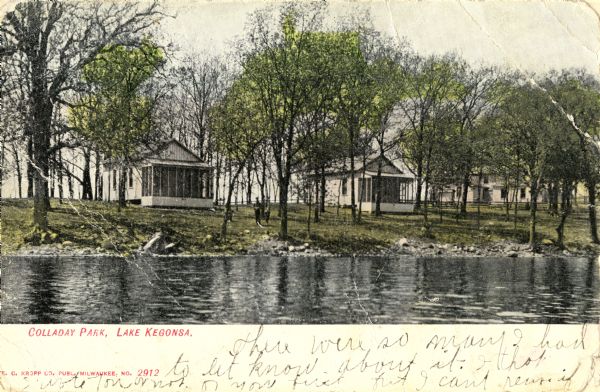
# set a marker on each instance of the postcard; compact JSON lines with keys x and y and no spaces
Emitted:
{"x":314,"y":196}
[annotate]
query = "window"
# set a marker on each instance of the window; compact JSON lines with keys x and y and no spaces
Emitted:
{"x":114,"y":180}
{"x":486,"y":179}
{"x":344,"y":186}
{"x":131,"y":177}
{"x":523,"y":195}
{"x":503,"y":193}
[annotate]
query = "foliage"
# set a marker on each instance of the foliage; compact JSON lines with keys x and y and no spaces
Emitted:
{"x":117,"y":115}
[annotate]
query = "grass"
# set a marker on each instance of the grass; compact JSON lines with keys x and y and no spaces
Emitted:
{"x":100,"y":225}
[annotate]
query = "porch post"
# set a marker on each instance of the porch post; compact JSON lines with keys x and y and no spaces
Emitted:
{"x":210,"y":183}
{"x":150,"y":179}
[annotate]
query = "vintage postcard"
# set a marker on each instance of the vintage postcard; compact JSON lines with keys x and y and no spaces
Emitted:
{"x":314,"y":195}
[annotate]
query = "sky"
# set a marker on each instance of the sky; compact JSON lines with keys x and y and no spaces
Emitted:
{"x":528,"y":35}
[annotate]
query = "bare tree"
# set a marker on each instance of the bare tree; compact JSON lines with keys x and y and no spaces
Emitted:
{"x":55,"y":40}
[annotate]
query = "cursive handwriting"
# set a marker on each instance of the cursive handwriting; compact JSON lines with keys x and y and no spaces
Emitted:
{"x":386,"y":358}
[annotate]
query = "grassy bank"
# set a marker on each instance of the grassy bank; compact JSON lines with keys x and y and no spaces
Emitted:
{"x":101,"y":225}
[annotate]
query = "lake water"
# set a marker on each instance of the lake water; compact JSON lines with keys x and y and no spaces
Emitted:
{"x":253,"y":289}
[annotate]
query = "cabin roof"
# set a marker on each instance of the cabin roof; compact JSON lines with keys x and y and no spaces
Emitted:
{"x":173,"y":150}
{"x":169,"y":152}
{"x":389,"y":168}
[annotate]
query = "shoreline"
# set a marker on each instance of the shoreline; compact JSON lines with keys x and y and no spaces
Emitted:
{"x":273,"y":247}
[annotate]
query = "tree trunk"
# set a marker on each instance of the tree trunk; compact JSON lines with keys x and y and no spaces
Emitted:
{"x":122,"y":183}
{"x":41,"y":201}
{"x":440,"y":205}
{"x":86,"y":180}
{"x":363,"y":188}
{"x":18,"y":170}
{"x":565,"y":209}
{"x":465,"y":191}
{"x":227,"y":213}
{"x":316,"y":185}
{"x":263,"y":186}
{"x":419,"y":187}
{"x":506,"y":201}
{"x":309,"y":202}
{"x":52,"y":178}
{"x":532,"y":214}
{"x":516,"y":217}
{"x":249,"y":189}
{"x":425,"y":210}
{"x":323,"y":190}
{"x":70,"y":184}
{"x":352,"y":193}
{"x":591,"y":188}
{"x":339,"y":193}
{"x":29,"y":168}
{"x":427,"y":177}
{"x":61,"y":193}
{"x":41,"y":121}
{"x":479,"y":198}
{"x":283,"y":210}
{"x":97,"y":177}
{"x":217,"y":178}
{"x":378,"y":184}
{"x":553,"y":190}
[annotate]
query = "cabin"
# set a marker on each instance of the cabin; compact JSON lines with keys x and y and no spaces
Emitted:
{"x":398,"y":187}
{"x":490,"y":190}
{"x":169,"y":176}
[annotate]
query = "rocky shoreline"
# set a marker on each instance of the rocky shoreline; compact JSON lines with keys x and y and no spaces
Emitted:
{"x":271,"y":246}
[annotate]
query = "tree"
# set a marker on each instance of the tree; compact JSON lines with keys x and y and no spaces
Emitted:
{"x":276,"y":64}
{"x":354,"y":103}
{"x":428,"y":103}
{"x":390,"y":88}
{"x":528,"y":113}
{"x":117,"y":115}
{"x":477,"y":92}
{"x":239,"y":129}
{"x":565,"y":169}
{"x":577,"y":95}
{"x":54,"y":40}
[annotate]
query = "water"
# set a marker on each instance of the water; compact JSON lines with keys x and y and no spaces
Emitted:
{"x":254,"y":289}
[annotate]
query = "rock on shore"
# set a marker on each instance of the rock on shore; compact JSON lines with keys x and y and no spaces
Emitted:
{"x":272,"y":246}
{"x":419,"y":247}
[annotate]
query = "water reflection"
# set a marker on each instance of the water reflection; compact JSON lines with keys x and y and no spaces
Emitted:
{"x":299,"y":290}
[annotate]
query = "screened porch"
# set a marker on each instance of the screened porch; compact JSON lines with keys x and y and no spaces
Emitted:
{"x":176,"y":185}
{"x":393,"y":189}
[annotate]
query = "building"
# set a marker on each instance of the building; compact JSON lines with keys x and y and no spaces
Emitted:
{"x":170,"y":176}
{"x":398,"y":187}
{"x":491,"y":190}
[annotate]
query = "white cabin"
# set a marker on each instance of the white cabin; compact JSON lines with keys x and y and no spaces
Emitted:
{"x":397,"y":190}
{"x":171,"y":176}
